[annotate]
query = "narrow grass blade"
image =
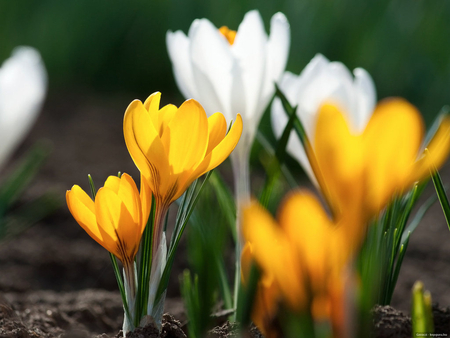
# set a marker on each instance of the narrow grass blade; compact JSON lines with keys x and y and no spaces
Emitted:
{"x":264,"y":142}
{"x":27,"y":215}
{"x":224,"y":285}
{"x":226,"y":201}
{"x":247,"y":296}
{"x":191,"y":296}
{"x":274,"y":168}
{"x":396,"y":272}
{"x":15,"y":184}
{"x":144,"y":265}
{"x":418,"y":217}
{"x":120,"y":285}
{"x":180,"y":225}
{"x":421,"y":313}
{"x":445,"y":110}
{"x":443,"y":199}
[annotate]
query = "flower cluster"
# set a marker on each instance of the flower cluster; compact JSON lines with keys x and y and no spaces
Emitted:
{"x":363,"y":158}
{"x":171,"y":147}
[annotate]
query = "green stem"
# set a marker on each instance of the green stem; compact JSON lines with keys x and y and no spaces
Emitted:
{"x":241,"y":173}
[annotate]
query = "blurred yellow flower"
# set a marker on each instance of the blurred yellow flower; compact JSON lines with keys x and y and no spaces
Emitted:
{"x":118,"y":216}
{"x":174,"y":146}
{"x":305,"y":252}
{"x":360,"y":173}
{"x":265,"y":305}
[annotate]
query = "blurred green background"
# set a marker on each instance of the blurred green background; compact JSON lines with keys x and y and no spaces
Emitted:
{"x":111,"y":46}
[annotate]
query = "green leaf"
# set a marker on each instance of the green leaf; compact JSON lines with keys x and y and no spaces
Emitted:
{"x":264,"y":142}
{"x":15,"y":184}
{"x":246,"y":298}
{"x":274,"y":168}
{"x":187,"y":205}
{"x":225,"y":200}
{"x":28,"y":214}
{"x":421,"y":312}
{"x":436,"y":123}
{"x":120,"y":285}
{"x":443,"y":199}
{"x":144,"y":266}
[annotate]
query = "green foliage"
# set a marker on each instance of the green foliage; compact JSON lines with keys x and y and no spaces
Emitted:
{"x":273,"y":168}
{"x":207,"y":237}
{"x":442,"y":195}
{"x":421,"y":311}
{"x":15,"y":219}
{"x":382,"y":255}
{"x":192,"y":299}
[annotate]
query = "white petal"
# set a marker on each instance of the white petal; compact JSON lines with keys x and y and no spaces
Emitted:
{"x":178,"y":49}
{"x":23,"y":83}
{"x":366,"y":97}
{"x":249,"y":51}
{"x":324,"y":83}
{"x":212,"y":67}
{"x":277,"y":55}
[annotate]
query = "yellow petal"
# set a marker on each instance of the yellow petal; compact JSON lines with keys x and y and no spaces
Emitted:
{"x":129,"y":195}
{"x":246,"y":260}
{"x":217,"y":129}
{"x":339,"y":158}
{"x":221,"y":151}
{"x":186,"y":136}
{"x":82,"y":208}
{"x":113,"y":183}
{"x":145,"y":147}
{"x":266,"y":305}
{"x":392,"y":139}
{"x":274,"y":253}
{"x":114,"y":220}
{"x":438,"y":150}
{"x":308,"y":226}
{"x":165,"y":115}
{"x":152,"y":107}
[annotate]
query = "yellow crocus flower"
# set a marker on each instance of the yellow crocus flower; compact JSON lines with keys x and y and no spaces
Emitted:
{"x":265,"y":305}
{"x":360,"y":173}
{"x":305,"y":253}
{"x":174,"y":146}
{"x":117,"y":217}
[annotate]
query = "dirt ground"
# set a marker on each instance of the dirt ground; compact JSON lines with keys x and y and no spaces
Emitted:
{"x":55,"y":280}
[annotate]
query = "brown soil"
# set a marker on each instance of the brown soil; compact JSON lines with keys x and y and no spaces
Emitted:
{"x":56,"y":281}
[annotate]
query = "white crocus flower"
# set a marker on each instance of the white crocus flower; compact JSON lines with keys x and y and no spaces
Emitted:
{"x":232,"y":72}
{"x":23,"y":83}
{"x":322,"y":82}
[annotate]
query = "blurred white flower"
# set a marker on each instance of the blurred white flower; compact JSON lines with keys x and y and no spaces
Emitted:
{"x":23,"y":83}
{"x":232,"y":72}
{"x":231,"y":78}
{"x":322,"y":82}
